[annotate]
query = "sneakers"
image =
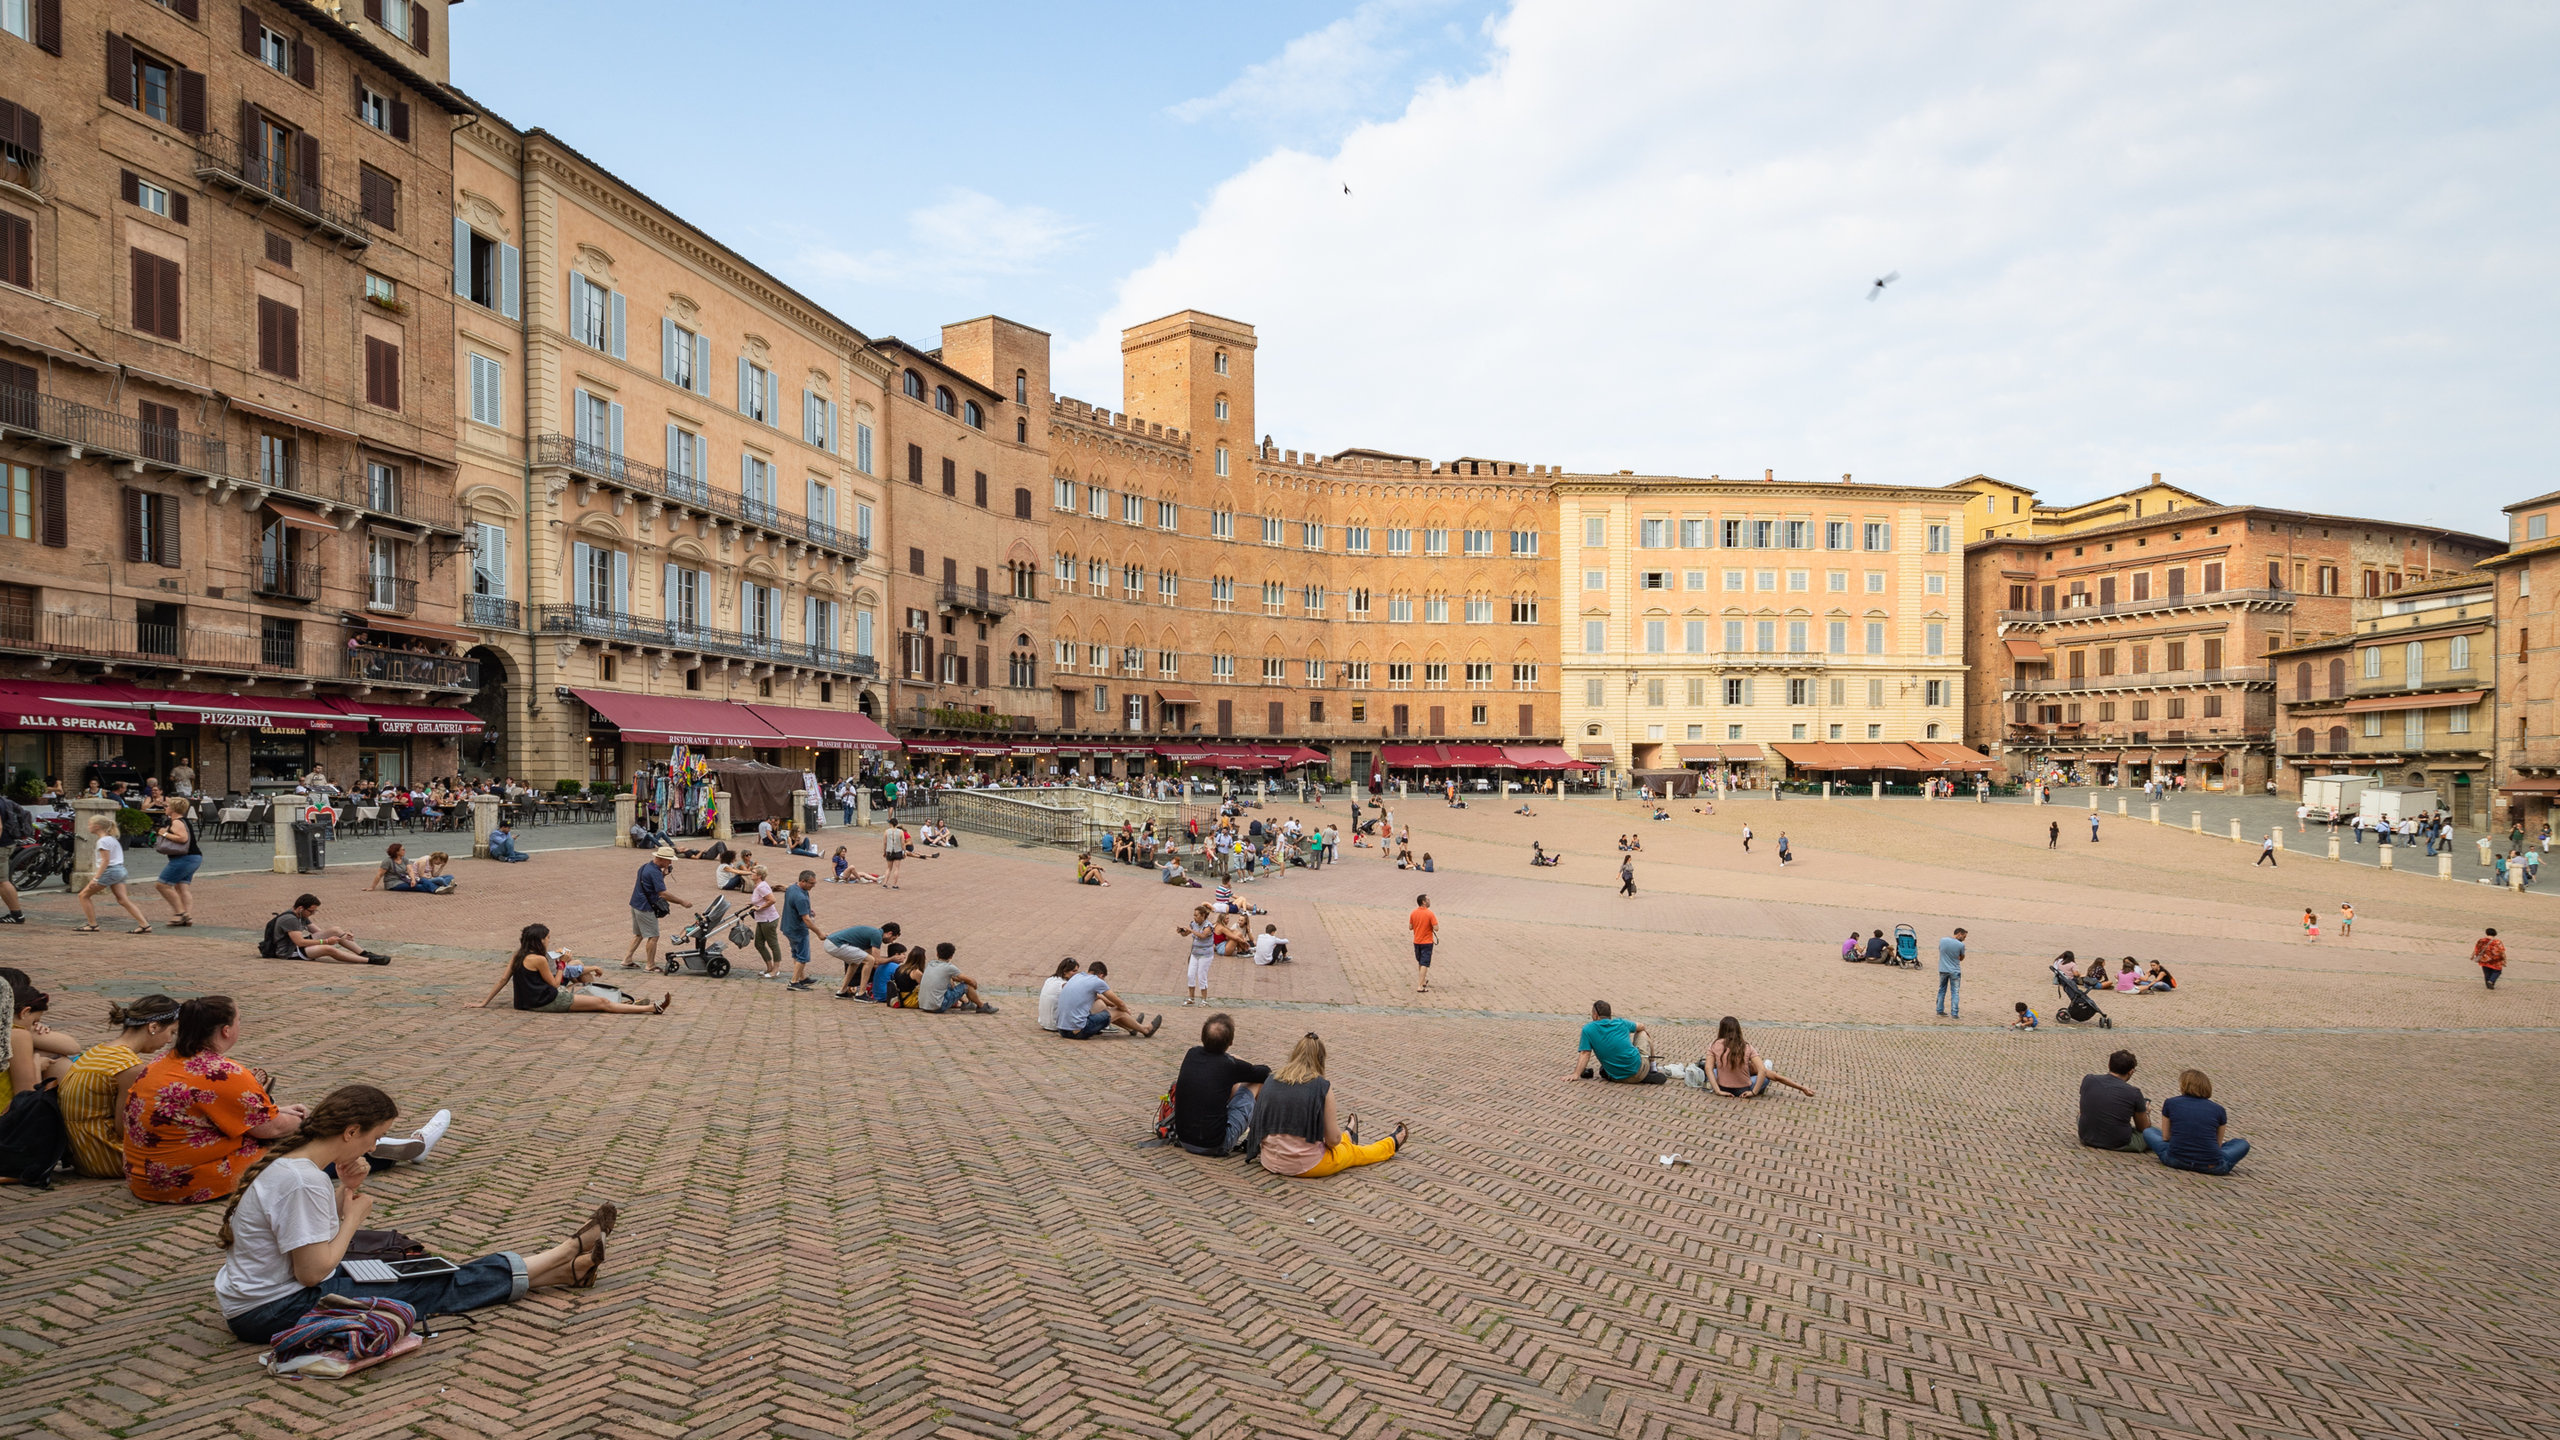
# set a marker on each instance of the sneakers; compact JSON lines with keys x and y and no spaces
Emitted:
{"x":14,"y":917}
{"x":413,"y":1148}
{"x":801,"y":985}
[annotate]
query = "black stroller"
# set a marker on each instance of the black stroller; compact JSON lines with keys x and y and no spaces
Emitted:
{"x":2077,"y":1008}
{"x":694,"y":951}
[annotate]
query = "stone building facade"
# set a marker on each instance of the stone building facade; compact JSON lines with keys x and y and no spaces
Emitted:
{"x":2527,"y":702}
{"x":2407,"y":695}
{"x":1206,"y":586}
{"x":226,"y":414}
{"x":670,"y":475}
{"x":2140,"y":649}
{"x":1712,"y":622}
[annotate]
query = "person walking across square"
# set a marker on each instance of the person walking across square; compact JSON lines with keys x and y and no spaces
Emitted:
{"x":1627,"y":875}
{"x":1951,"y":975}
{"x":1426,"y":936}
{"x":2267,"y":851}
{"x":2490,"y":954}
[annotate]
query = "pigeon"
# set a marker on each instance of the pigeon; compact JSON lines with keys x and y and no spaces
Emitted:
{"x":1346,"y":189}
{"x":1878,"y":288}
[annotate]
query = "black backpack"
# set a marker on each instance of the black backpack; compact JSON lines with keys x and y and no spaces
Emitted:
{"x":15,"y":823}
{"x":274,"y":944}
{"x":33,"y":1140}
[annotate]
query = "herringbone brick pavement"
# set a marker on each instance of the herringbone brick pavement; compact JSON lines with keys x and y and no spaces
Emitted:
{"x":842,"y":1221}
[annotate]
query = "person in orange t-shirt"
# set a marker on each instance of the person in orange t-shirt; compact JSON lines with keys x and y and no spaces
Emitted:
{"x":1426,"y":933}
{"x":2488,"y":952}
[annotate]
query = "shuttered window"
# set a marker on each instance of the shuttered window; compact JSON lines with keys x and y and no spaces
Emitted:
{"x":381,"y":373}
{"x":17,"y":251}
{"x":488,"y":391}
{"x":379,"y":197}
{"x":155,"y":295}
{"x":279,"y":339}
{"x":150,"y":528}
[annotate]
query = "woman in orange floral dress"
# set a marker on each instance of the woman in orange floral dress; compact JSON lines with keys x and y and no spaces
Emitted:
{"x":196,"y":1119}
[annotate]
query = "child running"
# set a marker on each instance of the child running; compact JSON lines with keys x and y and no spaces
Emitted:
{"x":2310,"y":924}
{"x":2346,"y":920}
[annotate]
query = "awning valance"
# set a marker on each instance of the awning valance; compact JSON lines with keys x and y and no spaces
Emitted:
{"x":420,"y":629}
{"x":415,"y":719}
{"x":1176,"y":695}
{"x":824,"y":729}
{"x":1544,"y":757}
{"x":28,"y":705}
{"x":1411,"y":757}
{"x":239,"y":712}
{"x":2026,"y":652}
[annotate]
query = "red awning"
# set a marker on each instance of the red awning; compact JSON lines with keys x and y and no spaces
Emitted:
{"x":1482,"y":757}
{"x":1181,"y":754}
{"x":241,"y":712}
{"x":680,"y":720}
{"x":28,"y":705}
{"x":2206,"y":757}
{"x":415,"y":719}
{"x":1411,"y":757}
{"x":300,"y":516}
{"x":1545,"y":757}
{"x":1292,"y":758}
{"x":2452,"y":700}
{"x":824,"y":729}
{"x":422,"y":629}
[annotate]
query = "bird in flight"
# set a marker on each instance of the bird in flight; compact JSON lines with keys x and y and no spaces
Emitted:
{"x":1882,"y":281}
{"x":1346,"y":189}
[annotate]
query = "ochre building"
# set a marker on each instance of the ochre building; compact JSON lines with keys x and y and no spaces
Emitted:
{"x":2407,"y":696}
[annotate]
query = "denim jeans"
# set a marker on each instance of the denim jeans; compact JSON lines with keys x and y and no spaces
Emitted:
{"x":2232,"y":1150}
{"x":1950,"y":992}
{"x":489,"y":1280}
{"x":503,"y":847}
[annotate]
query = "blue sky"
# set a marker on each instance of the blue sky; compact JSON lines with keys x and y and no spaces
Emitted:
{"x":2297,"y":256}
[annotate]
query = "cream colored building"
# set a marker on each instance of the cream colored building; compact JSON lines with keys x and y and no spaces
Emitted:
{"x":1998,"y":508}
{"x":1759,"y":626}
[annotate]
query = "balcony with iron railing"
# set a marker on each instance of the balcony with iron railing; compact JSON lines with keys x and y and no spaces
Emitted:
{"x":2095,"y":610}
{"x":140,"y":642}
{"x":82,"y":428}
{"x":390,"y":594}
{"x":270,"y":181}
{"x":2145,"y":680}
{"x":598,"y":464}
{"x":597,"y":623}
{"x":492,"y":612}
{"x":944,"y":717}
{"x":22,"y":172}
{"x":411,"y":668}
{"x":276,"y":578}
{"x":975,"y":599}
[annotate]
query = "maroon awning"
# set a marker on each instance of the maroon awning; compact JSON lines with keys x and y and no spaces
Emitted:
{"x":239,"y":712}
{"x":1412,"y":757}
{"x":824,"y":729}
{"x":27,"y":705}
{"x":416,"y":719}
{"x":680,"y":720}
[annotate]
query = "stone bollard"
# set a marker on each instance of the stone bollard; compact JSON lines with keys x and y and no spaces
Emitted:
{"x":862,"y":806}
{"x":2235,"y":832}
{"x":484,"y":822}
{"x":626,"y":809}
{"x":288,"y":809}
{"x":2386,"y":857}
{"x":2486,"y":861}
{"x":2195,"y":821}
{"x":84,"y":846}
{"x":2333,"y":844}
{"x":720,"y":827}
{"x":2120,"y":805}
{"x":2277,"y":835}
{"x":2444,"y":865}
{"x":2093,"y":798}
{"x":2155,"y":815}
{"x":2515,"y":878}
{"x":1875,"y":789}
{"x":1826,"y":789}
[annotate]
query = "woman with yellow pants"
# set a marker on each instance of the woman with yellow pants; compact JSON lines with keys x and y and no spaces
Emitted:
{"x":1294,"y":1130}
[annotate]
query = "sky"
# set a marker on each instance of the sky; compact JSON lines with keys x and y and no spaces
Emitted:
{"x":2288,"y":255}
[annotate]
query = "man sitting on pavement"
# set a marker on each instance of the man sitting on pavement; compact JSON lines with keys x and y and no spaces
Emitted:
{"x":296,"y":935}
{"x":502,"y":845}
{"x":1213,"y":1094}
{"x":1086,"y":1007}
{"x":2113,"y":1113}
{"x":1269,"y":948}
{"x":943,"y":989}
{"x":1612,"y":1043}
{"x":861,"y":949}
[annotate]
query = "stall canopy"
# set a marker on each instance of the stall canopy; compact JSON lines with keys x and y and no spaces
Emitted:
{"x":1913,"y":755}
{"x":680,"y":720}
{"x":1602,"y":753}
{"x":26,"y":705}
{"x":416,"y":719}
{"x":1545,"y":757}
{"x":757,"y":791}
{"x":824,"y":729}
{"x":1944,"y":756}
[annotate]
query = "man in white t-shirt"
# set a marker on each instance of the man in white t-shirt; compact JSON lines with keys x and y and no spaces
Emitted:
{"x":1269,"y":948}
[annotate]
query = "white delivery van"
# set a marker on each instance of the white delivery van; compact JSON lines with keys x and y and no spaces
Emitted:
{"x":2389,"y":805}
{"x":2333,"y":797}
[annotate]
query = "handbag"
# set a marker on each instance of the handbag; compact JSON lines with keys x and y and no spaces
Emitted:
{"x":173,"y":848}
{"x":383,"y":1245}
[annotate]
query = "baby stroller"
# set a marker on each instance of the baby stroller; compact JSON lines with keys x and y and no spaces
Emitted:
{"x":2077,"y":1008}
{"x":695,"y":952}
{"x":1906,"y":946}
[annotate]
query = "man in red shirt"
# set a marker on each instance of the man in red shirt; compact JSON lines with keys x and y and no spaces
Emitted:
{"x":1426,"y":933}
{"x":2488,"y":952}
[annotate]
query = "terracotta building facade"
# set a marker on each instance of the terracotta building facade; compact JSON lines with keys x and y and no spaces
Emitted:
{"x":2406,"y":696}
{"x":226,"y":408}
{"x":2140,"y":650}
{"x":2527,"y":699}
{"x":1204,"y":586}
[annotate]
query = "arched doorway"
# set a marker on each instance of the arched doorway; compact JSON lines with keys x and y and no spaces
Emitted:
{"x":866,"y":705}
{"x":489,"y":754}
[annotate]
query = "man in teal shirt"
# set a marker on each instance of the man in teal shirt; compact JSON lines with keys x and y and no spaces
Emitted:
{"x":1612,"y":1044}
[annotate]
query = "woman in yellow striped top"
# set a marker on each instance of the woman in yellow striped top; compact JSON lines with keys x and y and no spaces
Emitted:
{"x":93,"y":1093}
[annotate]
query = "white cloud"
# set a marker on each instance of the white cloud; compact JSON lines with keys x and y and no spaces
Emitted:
{"x":2282,"y":255}
{"x":957,"y":241}
{"x":1324,"y":77}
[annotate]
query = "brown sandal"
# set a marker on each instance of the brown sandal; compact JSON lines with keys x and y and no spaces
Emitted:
{"x":595,"y":1265}
{"x":661,"y":1007}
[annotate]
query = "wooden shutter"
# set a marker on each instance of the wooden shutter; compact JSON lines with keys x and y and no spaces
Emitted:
{"x":186,"y":8}
{"x":950,"y":572}
{"x":985,"y":675}
{"x":119,"y":69}
{"x":374,"y":193}
{"x":1021,"y":504}
{"x":270,"y":330}
{"x":1226,"y":717}
{"x":373,"y":11}
{"x":418,"y":28}
{"x":178,"y":206}
{"x":309,"y":160}
{"x":52,"y":493}
{"x":132,"y":184}
{"x":381,"y":373}
{"x":17,"y":252}
{"x":951,"y":477}
{"x":1439,"y":716}
{"x":48,"y":26}
{"x":1279,"y":720}
{"x":372,"y":371}
{"x":170,"y":327}
{"x":982,"y":489}
{"x":164,"y":530}
{"x":915,"y":464}
{"x":249,"y":28}
{"x":133,"y":520}
{"x":306,"y":64}
{"x":1528,"y":721}
{"x":146,"y":292}
{"x":253,"y":134}
{"x":915,"y":560}
{"x":289,"y":342}
{"x":279,"y":250}
{"x":982,"y":579}
{"x":400,"y":120}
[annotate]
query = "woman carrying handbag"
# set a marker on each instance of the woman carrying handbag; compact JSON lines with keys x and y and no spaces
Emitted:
{"x":178,"y":873}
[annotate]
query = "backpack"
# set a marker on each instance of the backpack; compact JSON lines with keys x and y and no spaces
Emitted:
{"x":273,"y":945}
{"x":33,"y":1140}
{"x":15,"y":823}
{"x":1164,"y":1116}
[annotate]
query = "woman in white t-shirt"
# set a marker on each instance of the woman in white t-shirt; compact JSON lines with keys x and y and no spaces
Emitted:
{"x":1049,"y":989}
{"x":107,"y":873}
{"x":289,"y":1226}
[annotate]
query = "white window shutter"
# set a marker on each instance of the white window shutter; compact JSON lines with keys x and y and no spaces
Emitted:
{"x":667,"y":596}
{"x":621,"y":582}
{"x":578,"y":305}
{"x":666,"y":347}
{"x":809,"y":620}
{"x":862,"y":632}
{"x":614,"y":439}
{"x":461,"y":256}
{"x":613,"y":332}
{"x":742,"y":385}
{"x":831,"y":425}
{"x":675,"y":451}
{"x":705,"y":599}
{"x":702,"y":363}
{"x":580,"y":581}
{"x":581,"y":428}
{"x":510,"y":264}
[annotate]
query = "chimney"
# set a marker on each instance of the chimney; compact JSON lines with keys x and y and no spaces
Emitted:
{"x":2155,"y":477}
{"x":1845,"y":480}
{"x":1770,"y":475}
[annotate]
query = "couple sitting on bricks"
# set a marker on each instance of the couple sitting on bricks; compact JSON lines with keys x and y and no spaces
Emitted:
{"x":1284,"y":1121}
{"x":1731,"y":1067}
{"x":2115,"y":1116}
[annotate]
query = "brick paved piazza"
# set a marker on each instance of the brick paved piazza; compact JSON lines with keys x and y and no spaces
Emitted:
{"x":843,"y":1221}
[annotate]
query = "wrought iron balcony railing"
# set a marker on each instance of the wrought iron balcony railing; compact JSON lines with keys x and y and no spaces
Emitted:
{"x":240,"y":166}
{"x":2094,"y":610}
{"x":83,"y":428}
{"x":282,"y":579}
{"x":595,"y":623}
{"x":407,"y":667}
{"x":594,"y":462}
{"x":977,"y":599}
{"x":492,"y":612}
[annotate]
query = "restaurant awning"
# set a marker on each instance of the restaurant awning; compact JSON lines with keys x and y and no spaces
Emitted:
{"x":824,"y":729}
{"x":28,"y":705}
{"x":2205,"y":757}
{"x":1407,"y":757}
{"x":1602,"y":753}
{"x":2537,"y":785}
{"x":241,"y":712}
{"x":680,"y":720}
{"x":300,"y":516}
{"x":1545,"y":757}
{"x":423,"y":630}
{"x":2100,"y":757}
{"x":2026,"y":652}
{"x":2443,"y":700}
{"x":1481,"y":757}
{"x":1697,"y":754}
{"x":414,"y":719}
{"x":1941,"y":755}
{"x":1176,"y":695}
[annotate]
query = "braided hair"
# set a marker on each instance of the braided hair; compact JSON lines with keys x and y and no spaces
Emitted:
{"x":360,"y":1106}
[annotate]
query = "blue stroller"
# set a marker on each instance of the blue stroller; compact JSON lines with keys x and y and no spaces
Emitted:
{"x":1906,"y":946}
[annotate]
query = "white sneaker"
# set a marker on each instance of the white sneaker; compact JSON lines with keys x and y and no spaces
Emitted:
{"x":433,"y":1131}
